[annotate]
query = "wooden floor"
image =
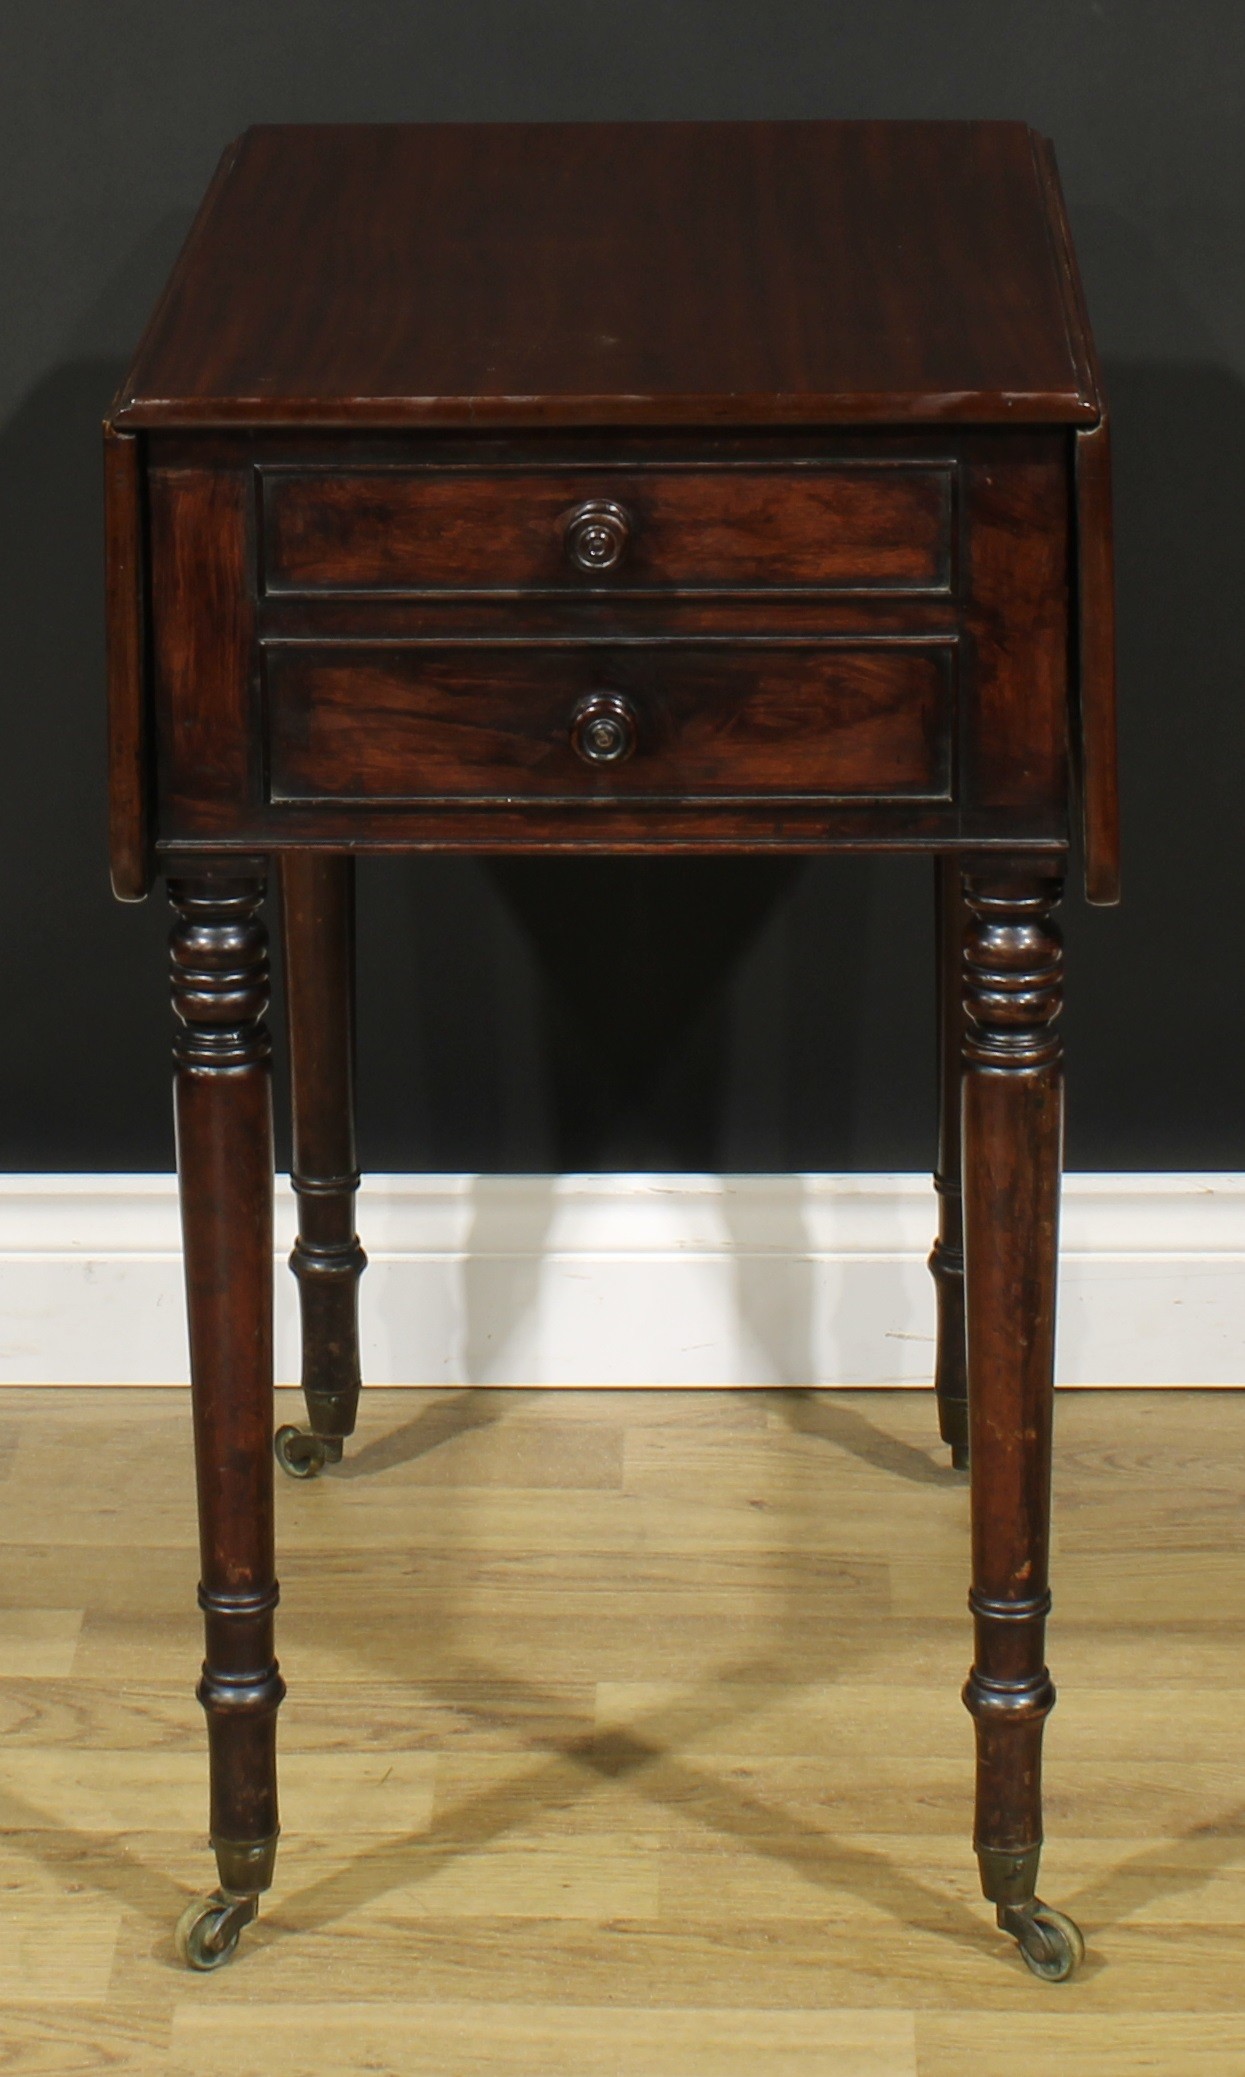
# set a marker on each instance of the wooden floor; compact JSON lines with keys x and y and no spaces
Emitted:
{"x":623,"y":1737}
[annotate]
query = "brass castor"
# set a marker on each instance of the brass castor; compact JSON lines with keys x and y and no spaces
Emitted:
{"x":304,"y":1455}
{"x":1050,"y":1943}
{"x":209,"y":1928}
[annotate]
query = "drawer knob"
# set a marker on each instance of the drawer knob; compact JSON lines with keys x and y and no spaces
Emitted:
{"x":604,"y":728}
{"x":597,"y":534}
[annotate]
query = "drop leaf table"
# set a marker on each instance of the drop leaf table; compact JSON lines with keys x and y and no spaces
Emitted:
{"x":646,"y":488}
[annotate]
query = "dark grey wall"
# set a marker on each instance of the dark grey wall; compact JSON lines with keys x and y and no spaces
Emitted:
{"x":542,"y":1015}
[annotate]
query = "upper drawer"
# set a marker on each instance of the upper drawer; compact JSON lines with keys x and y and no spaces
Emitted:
{"x":692,"y":529}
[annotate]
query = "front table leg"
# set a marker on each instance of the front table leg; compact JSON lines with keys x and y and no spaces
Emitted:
{"x":1012,"y":1152}
{"x":223,"y":1104}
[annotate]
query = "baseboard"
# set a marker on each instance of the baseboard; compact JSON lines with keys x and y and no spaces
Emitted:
{"x":634,"y":1280}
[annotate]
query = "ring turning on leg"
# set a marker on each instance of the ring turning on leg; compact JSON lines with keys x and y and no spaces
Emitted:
{"x":223,"y":1106}
{"x":1012,"y":1154}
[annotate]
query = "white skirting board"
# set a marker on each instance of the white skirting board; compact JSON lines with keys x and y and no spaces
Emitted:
{"x":634,"y":1280}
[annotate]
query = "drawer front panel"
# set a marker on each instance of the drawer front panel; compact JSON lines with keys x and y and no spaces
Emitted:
{"x":484,"y":721}
{"x":699,"y":530}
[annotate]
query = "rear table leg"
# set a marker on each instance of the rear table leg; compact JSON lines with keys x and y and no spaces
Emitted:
{"x":317,"y":909}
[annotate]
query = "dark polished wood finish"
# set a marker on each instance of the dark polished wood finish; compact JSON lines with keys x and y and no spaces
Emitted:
{"x":704,"y":531}
{"x":317,"y":919}
{"x":1094,"y":719}
{"x":444,"y":721}
{"x":620,"y":273}
{"x":1013,"y":1145}
{"x":130,"y":782}
{"x":481,"y":721}
{"x":638,"y":488}
{"x":223,"y":1108}
{"x":947,"y":1256}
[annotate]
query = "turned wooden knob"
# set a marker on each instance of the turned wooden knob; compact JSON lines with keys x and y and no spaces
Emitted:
{"x":596,"y":535}
{"x":604,"y":728}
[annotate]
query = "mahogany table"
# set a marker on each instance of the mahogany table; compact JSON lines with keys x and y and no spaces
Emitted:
{"x":648,"y":488}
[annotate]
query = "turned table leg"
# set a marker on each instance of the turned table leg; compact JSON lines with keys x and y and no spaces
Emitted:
{"x":223,"y":1104}
{"x":1013,"y":1133}
{"x":947,"y":1257}
{"x":317,"y":913}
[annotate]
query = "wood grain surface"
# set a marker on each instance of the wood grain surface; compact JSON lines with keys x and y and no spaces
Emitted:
{"x":765,"y":717}
{"x":475,"y":720}
{"x":360,"y":398}
{"x":621,"y":273}
{"x":130,"y":793}
{"x":623,"y":1740}
{"x":702,"y":530}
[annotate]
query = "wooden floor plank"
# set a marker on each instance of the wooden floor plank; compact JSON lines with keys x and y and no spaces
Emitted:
{"x":1178,"y":2044}
{"x":38,"y":1643}
{"x":536,"y":2040}
{"x":82,"y":2040}
{"x":623,"y":1736}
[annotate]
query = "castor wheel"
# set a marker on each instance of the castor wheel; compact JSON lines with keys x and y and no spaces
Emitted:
{"x":1050,"y":1943}
{"x":305,"y":1455}
{"x":209,"y":1928}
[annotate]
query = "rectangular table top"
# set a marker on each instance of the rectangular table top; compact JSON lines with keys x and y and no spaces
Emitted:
{"x":677,"y":274}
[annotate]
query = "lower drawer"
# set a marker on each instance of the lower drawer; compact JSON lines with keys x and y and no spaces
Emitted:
{"x":579,"y":720}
